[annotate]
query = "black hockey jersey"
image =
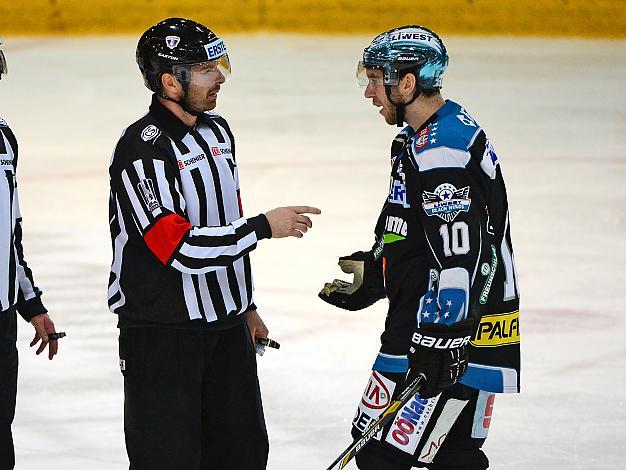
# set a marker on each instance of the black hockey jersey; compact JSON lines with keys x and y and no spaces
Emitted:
{"x":447,"y":252}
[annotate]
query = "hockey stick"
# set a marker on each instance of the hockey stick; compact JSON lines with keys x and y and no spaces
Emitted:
{"x":386,"y":416}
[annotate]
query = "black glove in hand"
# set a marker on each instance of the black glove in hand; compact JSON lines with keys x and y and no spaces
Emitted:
{"x":439,"y":351}
{"x":366,"y":288}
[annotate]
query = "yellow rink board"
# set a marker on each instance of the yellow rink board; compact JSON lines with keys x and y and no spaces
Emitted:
{"x":584,"y":18}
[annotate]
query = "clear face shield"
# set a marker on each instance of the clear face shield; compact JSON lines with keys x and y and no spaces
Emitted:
{"x":204,"y":74}
{"x":376,"y":77}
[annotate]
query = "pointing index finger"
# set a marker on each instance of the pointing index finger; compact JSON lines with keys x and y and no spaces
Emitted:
{"x":307,"y":210}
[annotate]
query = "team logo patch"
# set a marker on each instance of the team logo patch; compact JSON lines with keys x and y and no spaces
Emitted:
{"x":146,"y":188}
{"x":446,"y":201}
{"x":421,"y":139}
{"x":149,"y":133}
{"x":172,"y":41}
{"x":410,"y":423}
{"x":497,"y":330}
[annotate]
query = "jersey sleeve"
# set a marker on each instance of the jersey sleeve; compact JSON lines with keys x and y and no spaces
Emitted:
{"x":451,"y":207}
{"x":147,"y":191}
{"x":28,"y":302}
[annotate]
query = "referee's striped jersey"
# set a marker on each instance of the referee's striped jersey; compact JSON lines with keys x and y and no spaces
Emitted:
{"x":17,"y":288}
{"x":180,"y":241}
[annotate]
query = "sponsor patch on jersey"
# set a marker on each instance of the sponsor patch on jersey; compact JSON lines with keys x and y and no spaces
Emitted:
{"x":6,"y":162}
{"x":397,"y":194}
{"x":446,"y":201}
{"x":483,"y":414}
{"x":497,"y":330}
{"x":410,"y":423}
{"x":378,"y":393}
{"x":149,"y":133}
{"x":217,"y":151}
{"x":446,"y":419}
{"x":182,"y":164}
{"x":146,"y":188}
{"x":491,"y":271}
{"x":376,"y":398}
{"x":396,"y":229}
{"x":172,"y":41}
{"x":485,"y":269}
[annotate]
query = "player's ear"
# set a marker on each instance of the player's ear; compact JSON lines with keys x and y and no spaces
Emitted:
{"x":170,"y":85}
{"x":408,"y":84}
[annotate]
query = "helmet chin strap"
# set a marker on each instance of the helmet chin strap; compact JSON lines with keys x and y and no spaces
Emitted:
{"x":401,"y":107}
{"x":184,"y":81}
{"x":182,"y":102}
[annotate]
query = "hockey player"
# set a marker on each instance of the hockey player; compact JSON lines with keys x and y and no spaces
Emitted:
{"x":181,"y":280}
{"x":443,"y":258}
{"x":18,"y":292}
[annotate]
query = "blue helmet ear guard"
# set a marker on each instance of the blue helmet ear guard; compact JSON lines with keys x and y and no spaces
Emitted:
{"x":408,"y":48}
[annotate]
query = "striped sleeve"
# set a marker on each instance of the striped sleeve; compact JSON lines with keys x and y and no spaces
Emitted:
{"x":147,"y":190}
{"x":28,"y":301}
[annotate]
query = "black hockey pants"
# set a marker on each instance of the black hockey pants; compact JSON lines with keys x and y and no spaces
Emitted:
{"x":8,"y":387}
{"x":192,"y":400}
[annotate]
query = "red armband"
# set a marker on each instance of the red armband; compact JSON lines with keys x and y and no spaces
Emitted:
{"x":165,"y":236}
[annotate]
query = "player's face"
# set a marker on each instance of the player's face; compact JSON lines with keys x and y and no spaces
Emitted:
{"x":375,"y":90}
{"x":206,"y":80}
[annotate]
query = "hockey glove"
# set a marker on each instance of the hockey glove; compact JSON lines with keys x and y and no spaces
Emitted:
{"x":439,"y":352}
{"x":366,"y":288}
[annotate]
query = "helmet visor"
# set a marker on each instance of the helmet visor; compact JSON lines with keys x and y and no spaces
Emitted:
{"x":3,"y":65}
{"x":375,"y":79}
{"x":223,"y":65}
{"x":206,"y":74}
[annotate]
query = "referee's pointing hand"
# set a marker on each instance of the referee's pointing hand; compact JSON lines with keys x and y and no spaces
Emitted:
{"x":290,"y":221}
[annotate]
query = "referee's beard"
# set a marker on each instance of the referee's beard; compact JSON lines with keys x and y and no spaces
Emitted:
{"x":201,"y":99}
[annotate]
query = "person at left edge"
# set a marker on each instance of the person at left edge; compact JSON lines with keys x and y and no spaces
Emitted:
{"x":18,"y":292}
{"x":181,"y":280}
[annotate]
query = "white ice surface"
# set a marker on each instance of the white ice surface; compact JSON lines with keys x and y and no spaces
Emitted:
{"x":555,"y":112}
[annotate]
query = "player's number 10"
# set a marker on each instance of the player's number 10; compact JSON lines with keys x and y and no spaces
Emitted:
{"x":459,"y":233}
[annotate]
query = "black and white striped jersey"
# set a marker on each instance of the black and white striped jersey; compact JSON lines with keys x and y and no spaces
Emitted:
{"x":180,"y":241}
{"x":17,"y":288}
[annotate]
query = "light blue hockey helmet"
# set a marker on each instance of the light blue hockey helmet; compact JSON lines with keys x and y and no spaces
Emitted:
{"x":407,"y":48}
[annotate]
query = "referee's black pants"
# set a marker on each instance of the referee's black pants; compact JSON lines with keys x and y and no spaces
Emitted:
{"x":192,"y":400}
{"x":8,"y":386}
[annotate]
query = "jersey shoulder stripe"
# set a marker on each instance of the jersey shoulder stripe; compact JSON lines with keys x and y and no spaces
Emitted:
{"x":445,"y":142}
